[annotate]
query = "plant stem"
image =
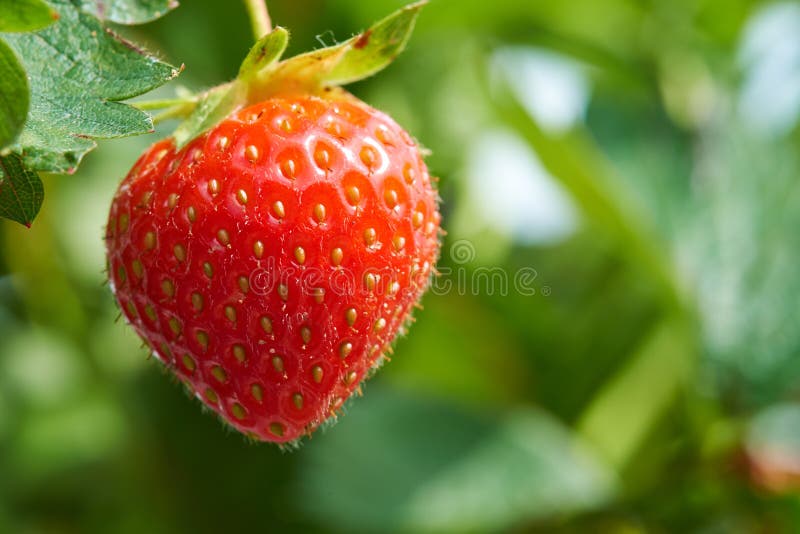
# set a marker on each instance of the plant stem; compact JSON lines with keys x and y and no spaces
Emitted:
{"x":180,"y":111}
{"x":161,"y":104}
{"x":259,"y":17}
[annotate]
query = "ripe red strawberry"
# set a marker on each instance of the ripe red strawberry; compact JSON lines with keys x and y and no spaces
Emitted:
{"x":271,"y":261}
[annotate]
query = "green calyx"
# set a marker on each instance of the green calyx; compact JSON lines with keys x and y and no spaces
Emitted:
{"x":263,"y":75}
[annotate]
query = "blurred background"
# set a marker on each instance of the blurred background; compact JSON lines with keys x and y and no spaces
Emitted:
{"x":613,"y":344}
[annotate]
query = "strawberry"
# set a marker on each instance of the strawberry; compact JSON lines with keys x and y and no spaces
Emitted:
{"x":271,"y":261}
{"x":271,"y":250}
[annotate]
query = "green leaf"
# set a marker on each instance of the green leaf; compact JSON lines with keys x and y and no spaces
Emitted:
{"x":14,"y":97}
{"x":427,"y":467}
{"x":78,"y":70}
{"x":355,"y":59}
{"x":25,"y":15}
{"x":128,"y":11}
{"x":374,"y":49}
{"x":265,"y":52}
{"x":214,"y":105}
{"x":21,"y":191}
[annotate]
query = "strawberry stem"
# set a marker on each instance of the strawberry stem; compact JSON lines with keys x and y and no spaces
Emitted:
{"x":263,"y":75}
{"x":259,"y":17}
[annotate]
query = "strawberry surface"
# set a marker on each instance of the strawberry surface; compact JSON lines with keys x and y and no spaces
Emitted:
{"x":270,"y":262}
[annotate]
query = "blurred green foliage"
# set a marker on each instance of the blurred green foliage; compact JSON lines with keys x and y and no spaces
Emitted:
{"x":638,"y":160}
